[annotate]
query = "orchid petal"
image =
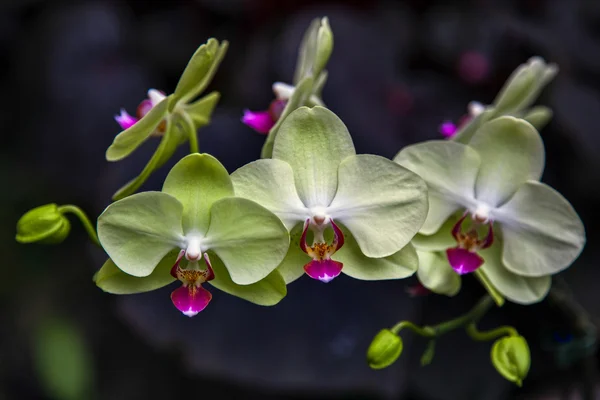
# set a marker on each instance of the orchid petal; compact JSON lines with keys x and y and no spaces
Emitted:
{"x":111,"y":279}
{"x":439,"y":241}
{"x":436,"y":274}
{"x":125,"y":120}
{"x":399,"y":265}
{"x":260,"y":121}
{"x":130,"y":139}
{"x":190,"y":300}
{"x":270,"y":183}
{"x":516,"y":288}
{"x":512,"y":152}
{"x":382,"y":203}
{"x":163,"y":153}
{"x":138,"y":231}
{"x":542,"y":232}
{"x":314,"y":141}
{"x":249,"y":239}
{"x":198,"y":181}
{"x":266,"y":292}
{"x":463,"y":261}
{"x":450,"y":170}
{"x":291,"y":266}
{"x":323,"y":270}
{"x":201,"y":110}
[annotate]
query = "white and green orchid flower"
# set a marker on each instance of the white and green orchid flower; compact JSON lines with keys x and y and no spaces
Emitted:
{"x":521,"y":230}
{"x":316,"y":181}
{"x":176,"y":117}
{"x":309,"y":78}
{"x":154,"y":238}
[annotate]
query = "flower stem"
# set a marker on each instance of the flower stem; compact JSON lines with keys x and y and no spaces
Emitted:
{"x":435,"y":331}
{"x":485,"y":336}
{"x":192,"y":132}
{"x":73,"y":209}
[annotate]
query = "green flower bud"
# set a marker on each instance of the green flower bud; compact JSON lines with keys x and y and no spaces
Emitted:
{"x":44,"y":224}
{"x":510,"y":356}
{"x":324,"y":46}
{"x":385,"y":348}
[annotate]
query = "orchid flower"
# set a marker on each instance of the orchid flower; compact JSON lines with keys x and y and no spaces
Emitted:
{"x":194,"y":231}
{"x":176,"y":117}
{"x":490,"y":213}
{"x":347,"y":213}
{"x":515,"y":98}
{"x":309,"y":78}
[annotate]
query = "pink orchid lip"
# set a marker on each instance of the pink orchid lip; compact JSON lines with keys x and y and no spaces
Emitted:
{"x":448,"y":129}
{"x":323,"y":270}
{"x":191,"y":297}
{"x":260,"y":121}
{"x":125,"y":120}
{"x":463,"y":261}
{"x":322,"y":267}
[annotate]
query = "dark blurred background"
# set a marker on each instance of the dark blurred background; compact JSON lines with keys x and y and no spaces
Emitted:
{"x":398,"y":69}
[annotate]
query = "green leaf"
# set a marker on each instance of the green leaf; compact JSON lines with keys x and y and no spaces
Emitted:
{"x":198,"y":181}
{"x":399,"y":265}
{"x":542,"y":232}
{"x":62,"y":360}
{"x":324,"y":47}
{"x":201,"y":110}
{"x":299,"y":98}
{"x":266,"y":292}
{"x":436,"y":274}
{"x":138,"y":231}
{"x":270,"y":183}
{"x":292,"y":266}
{"x":383,"y":204}
{"x":306,"y":52}
{"x":200,"y":70}
{"x":450,"y":170}
{"x":314,"y":141}
{"x":538,"y":116}
{"x":165,"y":150}
{"x":511,"y":358}
{"x":130,"y":139}
{"x":249,"y":239}
{"x":524,"y":86}
{"x":112,"y":280}
{"x":512,"y":152}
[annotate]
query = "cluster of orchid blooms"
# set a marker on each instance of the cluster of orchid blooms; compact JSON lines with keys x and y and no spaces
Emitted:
{"x":472,"y":203}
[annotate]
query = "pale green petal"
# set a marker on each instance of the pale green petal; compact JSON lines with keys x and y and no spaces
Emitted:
{"x":130,"y":139}
{"x":382,"y":203}
{"x":450,"y":170}
{"x":440,"y":240}
{"x":270,"y":183}
{"x":436,"y":274}
{"x":299,"y":98}
{"x":249,"y":239}
{"x":512,"y":152}
{"x":314,"y":141}
{"x":292,"y":266}
{"x":542,"y":232}
{"x":112,"y":280}
{"x":399,"y":265}
{"x":165,"y":150}
{"x":516,"y":288}
{"x":138,"y":231}
{"x":197,"y":181}
{"x":538,"y":116}
{"x":201,"y":110}
{"x":200,"y":70}
{"x":266,"y":292}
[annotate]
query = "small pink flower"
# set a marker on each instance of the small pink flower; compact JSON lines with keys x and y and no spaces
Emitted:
{"x":263,"y":121}
{"x":125,"y":120}
{"x":191,"y":297}
{"x":448,"y":129}
{"x":322,"y":267}
{"x":464,"y":258}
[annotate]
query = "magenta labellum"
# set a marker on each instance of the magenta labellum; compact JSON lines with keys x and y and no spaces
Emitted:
{"x":191,"y":297}
{"x":263,"y":121}
{"x":322,"y":267}
{"x":464,"y":258}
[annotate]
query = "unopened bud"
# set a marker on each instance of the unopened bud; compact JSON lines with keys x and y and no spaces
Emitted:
{"x":384,"y":350}
{"x":511,"y":358}
{"x":44,"y":224}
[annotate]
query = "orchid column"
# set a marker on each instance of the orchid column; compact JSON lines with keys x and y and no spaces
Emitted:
{"x":346,"y":212}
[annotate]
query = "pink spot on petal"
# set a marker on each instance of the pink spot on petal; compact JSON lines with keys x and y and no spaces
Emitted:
{"x":125,"y":120}
{"x":448,"y":129}
{"x":323,"y":270}
{"x":190,"y":300}
{"x":261,"y":121}
{"x":463,"y":261}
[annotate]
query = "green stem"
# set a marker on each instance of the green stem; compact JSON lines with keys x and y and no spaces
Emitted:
{"x":485,"y":336}
{"x":73,"y":209}
{"x":434,"y":331}
{"x":192,"y":132}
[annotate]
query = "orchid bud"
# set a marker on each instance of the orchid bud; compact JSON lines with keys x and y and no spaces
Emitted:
{"x":384,"y":350}
{"x":44,"y":224}
{"x":510,"y":356}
